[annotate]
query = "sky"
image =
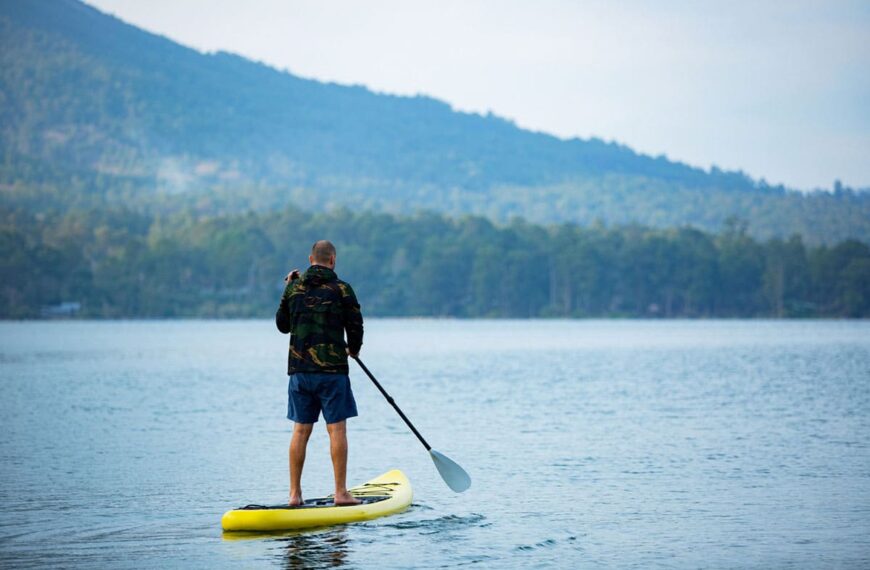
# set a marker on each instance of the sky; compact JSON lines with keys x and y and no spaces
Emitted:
{"x":778,"y":89}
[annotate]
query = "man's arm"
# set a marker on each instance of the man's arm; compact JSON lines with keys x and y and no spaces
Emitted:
{"x":282,"y":315}
{"x":353,"y":321}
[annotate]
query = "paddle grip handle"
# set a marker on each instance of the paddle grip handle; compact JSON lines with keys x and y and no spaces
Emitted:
{"x":392,"y":402}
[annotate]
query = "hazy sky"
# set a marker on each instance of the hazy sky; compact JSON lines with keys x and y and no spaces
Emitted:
{"x":780,"y":90}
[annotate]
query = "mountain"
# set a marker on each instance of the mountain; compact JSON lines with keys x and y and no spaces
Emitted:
{"x":95,"y":111}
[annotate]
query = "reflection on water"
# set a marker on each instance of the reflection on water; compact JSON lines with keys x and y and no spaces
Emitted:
{"x":308,"y":548}
{"x":325,"y":549}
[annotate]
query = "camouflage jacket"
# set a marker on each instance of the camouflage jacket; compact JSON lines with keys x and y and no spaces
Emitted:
{"x":317,"y":309}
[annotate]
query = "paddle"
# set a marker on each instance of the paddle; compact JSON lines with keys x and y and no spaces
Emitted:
{"x":454,"y":475}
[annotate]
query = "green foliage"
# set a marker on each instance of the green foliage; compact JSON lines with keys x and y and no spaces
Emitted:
{"x":119,"y":263}
{"x":145,"y":179}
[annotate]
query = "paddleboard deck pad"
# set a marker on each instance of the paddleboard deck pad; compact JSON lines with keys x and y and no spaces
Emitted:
{"x":382,"y":496}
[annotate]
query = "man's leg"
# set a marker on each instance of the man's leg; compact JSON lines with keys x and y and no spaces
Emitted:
{"x":301,"y":433}
{"x":338,"y":450}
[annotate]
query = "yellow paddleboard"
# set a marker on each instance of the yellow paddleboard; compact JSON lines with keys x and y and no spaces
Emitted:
{"x":384,"y":495}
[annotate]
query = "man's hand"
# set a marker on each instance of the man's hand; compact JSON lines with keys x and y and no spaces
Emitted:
{"x":351,"y":354}
{"x":292,"y":276}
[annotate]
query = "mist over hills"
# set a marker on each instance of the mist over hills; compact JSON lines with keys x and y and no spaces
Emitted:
{"x":97,"y":112}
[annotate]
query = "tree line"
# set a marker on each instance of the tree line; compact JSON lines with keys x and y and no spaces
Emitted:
{"x":120,"y":263}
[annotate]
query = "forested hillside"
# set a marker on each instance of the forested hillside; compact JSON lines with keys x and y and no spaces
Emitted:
{"x":95,"y":113}
{"x":117,"y":263}
{"x":140,"y":178}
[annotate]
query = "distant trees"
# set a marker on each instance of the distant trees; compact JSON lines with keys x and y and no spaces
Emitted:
{"x":120,"y":263}
{"x":145,"y":179}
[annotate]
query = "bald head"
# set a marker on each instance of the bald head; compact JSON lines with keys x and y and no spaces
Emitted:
{"x":323,"y":253}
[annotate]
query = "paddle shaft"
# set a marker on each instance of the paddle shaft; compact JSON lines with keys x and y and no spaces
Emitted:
{"x":392,"y":403}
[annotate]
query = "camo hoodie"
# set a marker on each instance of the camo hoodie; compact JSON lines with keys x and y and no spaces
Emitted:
{"x":317,"y":310}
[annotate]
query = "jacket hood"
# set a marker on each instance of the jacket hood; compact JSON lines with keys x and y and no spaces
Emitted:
{"x":317,"y":275}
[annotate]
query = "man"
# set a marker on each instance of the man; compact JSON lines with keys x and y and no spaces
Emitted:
{"x":317,"y":310}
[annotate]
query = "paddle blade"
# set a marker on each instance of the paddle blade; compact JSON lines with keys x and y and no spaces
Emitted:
{"x":454,"y":475}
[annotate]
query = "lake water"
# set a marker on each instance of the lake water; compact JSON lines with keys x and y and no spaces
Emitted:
{"x":630,"y":444}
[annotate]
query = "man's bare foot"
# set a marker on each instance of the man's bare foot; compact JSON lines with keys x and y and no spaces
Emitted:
{"x":344,"y":499}
{"x":295,"y":500}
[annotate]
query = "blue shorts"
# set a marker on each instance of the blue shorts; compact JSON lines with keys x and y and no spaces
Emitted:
{"x":308,"y":393}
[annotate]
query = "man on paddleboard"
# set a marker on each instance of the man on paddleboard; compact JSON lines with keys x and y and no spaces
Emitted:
{"x":317,"y":310}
